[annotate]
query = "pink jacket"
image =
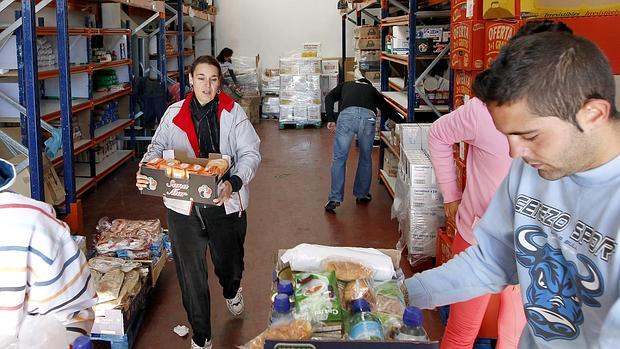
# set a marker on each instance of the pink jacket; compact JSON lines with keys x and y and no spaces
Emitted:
{"x":488,"y":161}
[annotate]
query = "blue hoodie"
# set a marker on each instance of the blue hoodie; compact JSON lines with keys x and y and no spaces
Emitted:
{"x":558,"y":239}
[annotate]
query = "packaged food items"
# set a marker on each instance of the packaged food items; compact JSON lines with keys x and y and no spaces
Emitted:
{"x":215,"y":167}
{"x":364,"y":324}
{"x":358,"y":289}
{"x":348,"y":270}
{"x":293,"y":330}
{"x":316,"y":297}
{"x":127,"y":235}
{"x":110,"y":285}
{"x":194,"y":169}
{"x":155,"y":163}
{"x":389,"y":307}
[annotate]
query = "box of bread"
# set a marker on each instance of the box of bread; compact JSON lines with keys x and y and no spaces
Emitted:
{"x":177,"y":176}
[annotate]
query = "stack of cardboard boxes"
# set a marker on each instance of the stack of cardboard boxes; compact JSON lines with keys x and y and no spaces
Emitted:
{"x":329,"y":79}
{"x":367,"y":52}
{"x":300,"y":90}
{"x":479,"y":30}
{"x":418,"y":204}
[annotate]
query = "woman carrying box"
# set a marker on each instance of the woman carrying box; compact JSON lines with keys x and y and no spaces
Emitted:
{"x":208,"y":121}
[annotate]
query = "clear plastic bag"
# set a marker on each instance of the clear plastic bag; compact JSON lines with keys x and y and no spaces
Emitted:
{"x":42,"y":332}
{"x":293,"y":330}
{"x":347,"y":269}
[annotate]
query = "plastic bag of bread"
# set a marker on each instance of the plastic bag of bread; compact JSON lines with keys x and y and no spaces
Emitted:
{"x":347,"y":269}
{"x":293,"y":330}
{"x":390,"y":298}
{"x":357,"y":289}
{"x":110,"y":285}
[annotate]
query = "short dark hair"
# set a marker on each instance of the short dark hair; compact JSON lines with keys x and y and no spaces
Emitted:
{"x":226,"y":52}
{"x":554,"y":72}
{"x":206,"y":59}
{"x":547,"y":25}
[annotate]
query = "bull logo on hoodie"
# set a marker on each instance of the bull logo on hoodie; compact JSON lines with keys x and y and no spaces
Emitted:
{"x":557,"y":290}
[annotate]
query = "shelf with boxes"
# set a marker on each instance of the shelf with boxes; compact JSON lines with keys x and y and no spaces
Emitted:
{"x":87,"y":68}
{"x":403,"y":59}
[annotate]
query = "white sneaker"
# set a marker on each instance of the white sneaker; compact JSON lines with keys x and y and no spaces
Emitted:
{"x":235,"y":305}
{"x":207,"y":345}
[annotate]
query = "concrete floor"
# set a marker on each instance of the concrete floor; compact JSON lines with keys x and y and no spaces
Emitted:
{"x":286,"y":208}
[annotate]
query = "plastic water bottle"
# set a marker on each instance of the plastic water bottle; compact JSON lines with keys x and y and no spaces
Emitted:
{"x":364,"y":324}
{"x":281,"y":309}
{"x":412,"y":329}
{"x":82,"y":342}
{"x":286,"y":287}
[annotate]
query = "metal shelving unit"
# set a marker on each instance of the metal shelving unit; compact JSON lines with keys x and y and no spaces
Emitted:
{"x":402,"y":97}
{"x":35,"y":111}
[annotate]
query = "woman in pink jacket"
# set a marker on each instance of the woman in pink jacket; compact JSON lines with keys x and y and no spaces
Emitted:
{"x":487,"y":164}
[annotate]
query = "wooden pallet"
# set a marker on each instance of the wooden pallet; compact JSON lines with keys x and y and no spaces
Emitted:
{"x":300,"y":125}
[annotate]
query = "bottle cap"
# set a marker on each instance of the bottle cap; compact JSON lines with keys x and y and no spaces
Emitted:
{"x":82,"y":342}
{"x":285,"y":286}
{"x":281,"y":303}
{"x":412,"y":317}
{"x":359,"y":305}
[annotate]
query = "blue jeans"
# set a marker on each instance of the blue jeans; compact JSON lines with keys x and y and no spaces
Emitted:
{"x":353,"y":121}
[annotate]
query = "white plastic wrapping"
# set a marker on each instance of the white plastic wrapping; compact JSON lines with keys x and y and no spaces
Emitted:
{"x":300,"y":89}
{"x":309,"y":257}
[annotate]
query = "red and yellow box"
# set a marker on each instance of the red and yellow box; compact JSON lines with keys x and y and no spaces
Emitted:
{"x":463,"y":82}
{"x":467,"y":45}
{"x":496,"y":35}
{"x":501,"y":9}
{"x":459,"y":13}
{"x":444,"y":247}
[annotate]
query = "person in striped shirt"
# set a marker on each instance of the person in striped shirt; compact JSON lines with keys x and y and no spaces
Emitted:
{"x":42,"y":271}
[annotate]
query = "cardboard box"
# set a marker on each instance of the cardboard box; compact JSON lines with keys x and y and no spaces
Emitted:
{"x":467,"y":45}
{"x":497,"y":34}
{"x":450,"y":229}
{"x":116,"y":321}
{"x":329,"y":66}
{"x":282,"y":270}
{"x":603,"y":32}
{"x":368,"y":44}
{"x":444,"y":247}
{"x":465,"y":10}
{"x":251,"y":107}
{"x":563,"y":8}
{"x":500,"y":9}
{"x":400,"y":32}
{"x":196,"y":188}
{"x":463,"y":82}
{"x":373,"y":76}
{"x":367,"y":31}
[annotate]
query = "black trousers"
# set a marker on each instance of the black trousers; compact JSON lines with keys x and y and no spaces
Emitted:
{"x":206,"y":226}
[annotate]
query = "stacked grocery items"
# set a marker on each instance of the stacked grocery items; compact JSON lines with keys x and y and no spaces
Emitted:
{"x":46,"y":56}
{"x":246,"y":72}
{"x":130,"y":255}
{"x":329,"y":79}
{"x":106,"y":80}
{"x":418,"y":204}
{"x":368,"y":51}
{"x":323,"y":293}
{"x":300,"y":90}
{"x":476,"y":40}
{"x":104,"y":114}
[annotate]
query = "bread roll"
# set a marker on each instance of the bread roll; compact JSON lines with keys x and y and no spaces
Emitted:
{"x":155,"y":163}
{"x":194,"y":169}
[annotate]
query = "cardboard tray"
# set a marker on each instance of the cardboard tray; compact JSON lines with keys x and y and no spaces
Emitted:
{"x":196,"y":188}
{"x":344,"y":344}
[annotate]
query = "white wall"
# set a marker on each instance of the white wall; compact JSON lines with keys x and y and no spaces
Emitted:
{"x":272,"y":28}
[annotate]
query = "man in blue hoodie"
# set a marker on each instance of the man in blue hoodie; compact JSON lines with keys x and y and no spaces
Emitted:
{"x":554,"y":223}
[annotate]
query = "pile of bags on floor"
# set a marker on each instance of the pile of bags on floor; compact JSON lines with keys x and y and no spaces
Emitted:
{"x":327,"y":282}
{"x":117,"y":280}
{"x":139,"y":239}
{"x":124,"y":250}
